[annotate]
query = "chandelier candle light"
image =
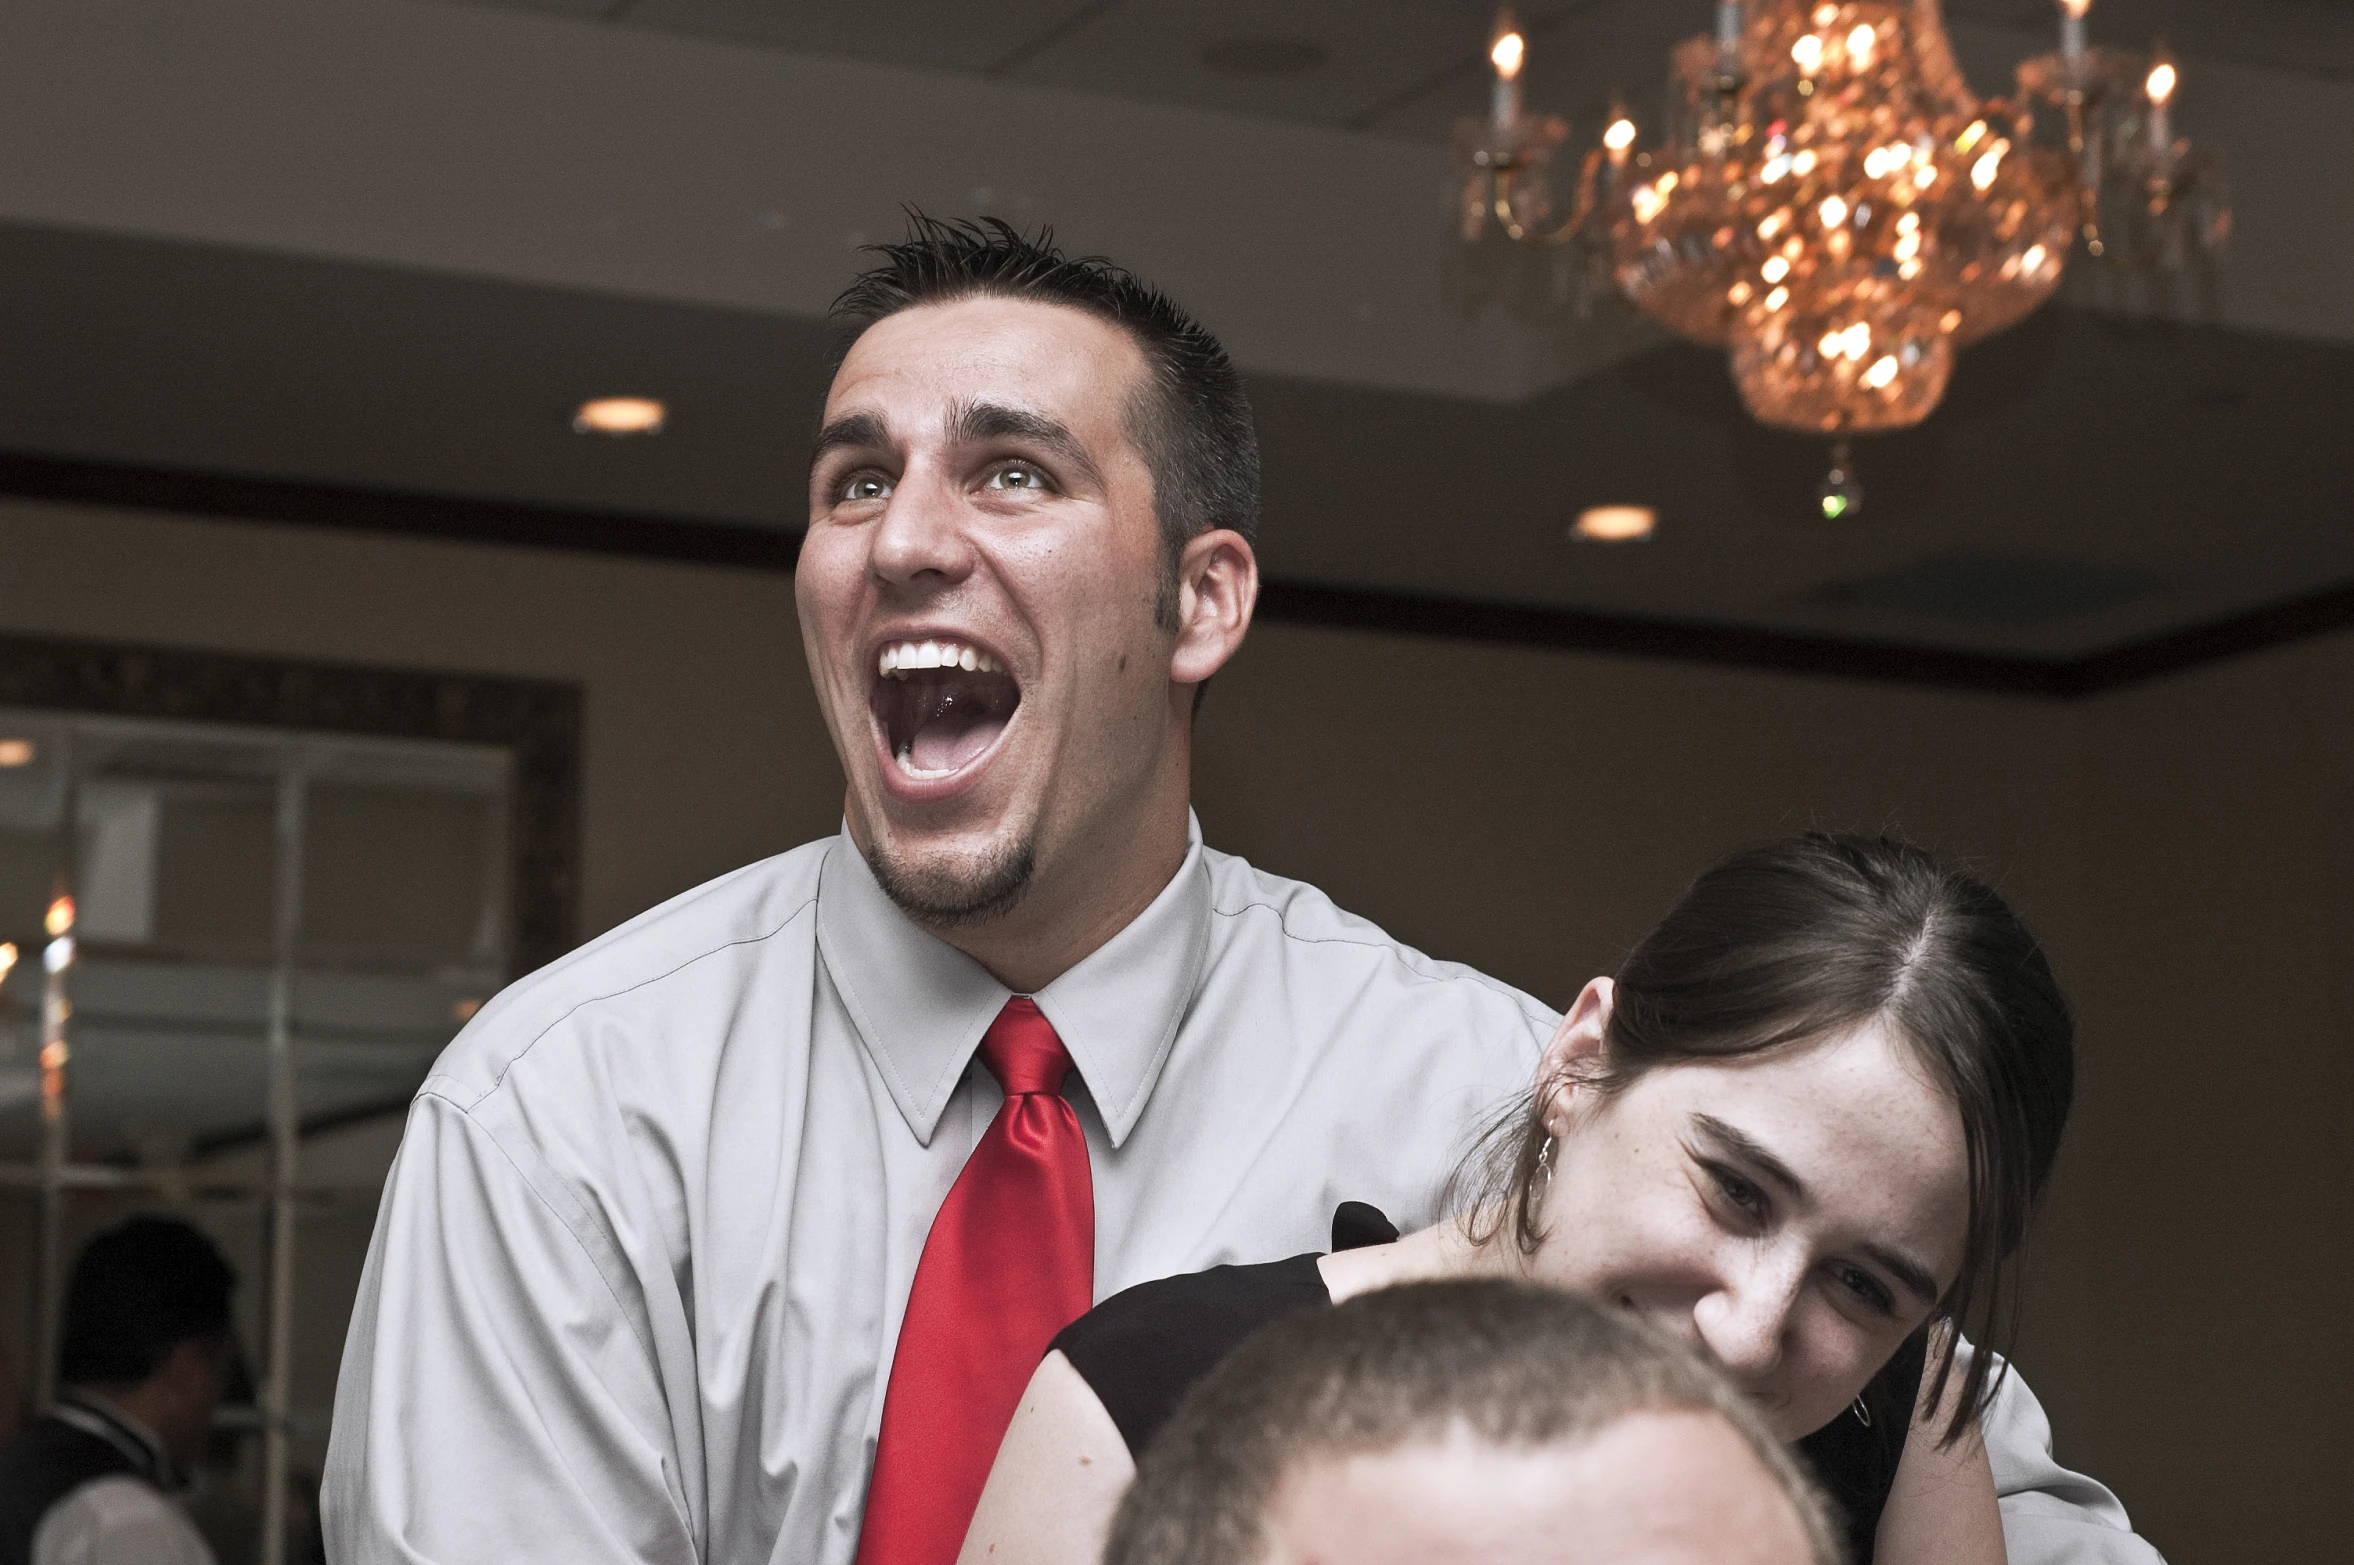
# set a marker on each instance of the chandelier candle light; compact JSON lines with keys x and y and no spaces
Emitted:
{"x":1832,"y":204}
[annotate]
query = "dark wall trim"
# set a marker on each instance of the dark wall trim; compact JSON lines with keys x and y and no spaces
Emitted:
{"x":538,"y":722}
{"x":1300,"y":603}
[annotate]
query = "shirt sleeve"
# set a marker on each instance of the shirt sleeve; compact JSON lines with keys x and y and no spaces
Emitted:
{"x":2052,"y":1516}
{"x":496,"y":1403}
{"x":118,"y":1521}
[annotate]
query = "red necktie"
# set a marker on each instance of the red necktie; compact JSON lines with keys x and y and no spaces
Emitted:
{"x":1010,"y":1261}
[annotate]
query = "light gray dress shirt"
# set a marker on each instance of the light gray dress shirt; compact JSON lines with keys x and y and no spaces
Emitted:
{"x":641,"y":1261}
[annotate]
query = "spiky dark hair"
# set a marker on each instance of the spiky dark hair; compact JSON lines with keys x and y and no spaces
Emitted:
{"x":1194,"y":429}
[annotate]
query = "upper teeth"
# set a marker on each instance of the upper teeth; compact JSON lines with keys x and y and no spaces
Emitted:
{"x":902,"y":656}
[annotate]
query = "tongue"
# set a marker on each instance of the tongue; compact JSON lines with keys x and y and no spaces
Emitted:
{"x":952,"y":739}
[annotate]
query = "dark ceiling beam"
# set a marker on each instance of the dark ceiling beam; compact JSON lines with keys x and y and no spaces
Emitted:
{"x":700,"y":541}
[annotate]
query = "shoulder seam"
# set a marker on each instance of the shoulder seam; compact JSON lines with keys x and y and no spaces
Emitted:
{"x":587,"y":1252}
{"x":598,"y":999}
{"x":1386,"y":947}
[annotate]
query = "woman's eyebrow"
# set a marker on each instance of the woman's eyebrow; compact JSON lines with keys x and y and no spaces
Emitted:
{"x":1746,"y":1147}
{"x":1910,"y":1274}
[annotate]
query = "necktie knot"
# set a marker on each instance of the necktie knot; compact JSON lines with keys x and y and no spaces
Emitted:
{"x":1022,"y":1051}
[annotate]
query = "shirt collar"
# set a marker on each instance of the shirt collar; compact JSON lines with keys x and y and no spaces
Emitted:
{"x":141,"y":1446}
{"x":920,"y":1005}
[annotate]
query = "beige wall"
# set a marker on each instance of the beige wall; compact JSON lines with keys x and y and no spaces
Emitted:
{"x":2188,"y":848}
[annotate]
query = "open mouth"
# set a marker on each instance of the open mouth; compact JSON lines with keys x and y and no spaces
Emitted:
{"x":940,"y":705}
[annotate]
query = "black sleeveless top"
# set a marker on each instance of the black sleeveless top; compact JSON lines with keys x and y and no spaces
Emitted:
{"x":1142,"y":1350}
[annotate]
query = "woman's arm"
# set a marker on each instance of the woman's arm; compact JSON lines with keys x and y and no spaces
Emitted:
{"x":1942,"y":1510}
{"x":1059,"y":1475}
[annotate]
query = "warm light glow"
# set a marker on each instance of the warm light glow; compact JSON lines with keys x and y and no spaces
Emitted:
{"x":1803,"y":164}
{"x":7,"y":960}
{"x":1647,"y":201}
{"x":2161,"y":83}
{"x":1739,"y":294}
{"x":1832,"y":345}
{"x":1775,"y":221}
{"x":60,"y":917}
{"x":1808,"y":52}
{"x":1775,"y":269}
{"x":1881,"y":373}
{"x":2034,"y":258}
{"x":1617,"y":523}
{"x":1509,"y":52}
{"x":1910,"y":223}
{"x":1859,"y":340}
{"x":17,"y":752}
{"x":2076,"y":8}
{"x":1971,"y":137}
{"x":1950,"y":321}
{"x":1620,"y":135}
{"x":1778,"y":298}
{"x":620,"y":416}
{"x":1983,"y":171}
{"x":1859,"y":45}
{"x":1833,"y":211}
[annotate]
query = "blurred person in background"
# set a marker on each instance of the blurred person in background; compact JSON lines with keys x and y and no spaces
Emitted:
{"x":148,"y":1356}
{"x":1484,"y":1421}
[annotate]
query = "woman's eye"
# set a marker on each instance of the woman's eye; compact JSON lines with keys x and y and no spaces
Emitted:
{"x":1867,"y":1288}
{"x":1017,"y":477}
{"x":1742,"y":1193}
{"x":866,"y":486}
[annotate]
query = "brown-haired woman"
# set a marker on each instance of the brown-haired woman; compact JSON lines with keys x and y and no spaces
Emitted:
{"x":1803,"y":1128}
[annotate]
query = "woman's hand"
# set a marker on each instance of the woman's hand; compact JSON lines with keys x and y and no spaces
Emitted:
{"x":1059,"y":1475}
{"x":1942,"y":1510}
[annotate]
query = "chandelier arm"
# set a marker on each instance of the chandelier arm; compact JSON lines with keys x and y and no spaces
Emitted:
{"x":1500,"y":199}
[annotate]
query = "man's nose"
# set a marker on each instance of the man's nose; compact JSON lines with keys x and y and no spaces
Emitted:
{"x":921,"y":533}
{"x":1744,"y":1322}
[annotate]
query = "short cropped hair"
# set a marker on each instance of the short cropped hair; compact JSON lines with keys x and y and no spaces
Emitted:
{"x":138,"y":1291}
{"x":1193,"y":425}
{"x":1517,"y":1365}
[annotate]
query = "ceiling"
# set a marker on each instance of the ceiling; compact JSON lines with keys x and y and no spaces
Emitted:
{"x":2096,"y":479}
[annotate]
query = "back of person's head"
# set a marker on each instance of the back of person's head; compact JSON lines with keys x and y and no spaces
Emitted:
{"x":1804,"y":939}
{"x":1491,"y":1387}
{"x":1193,"y":425}
{"x":138,"y":1291}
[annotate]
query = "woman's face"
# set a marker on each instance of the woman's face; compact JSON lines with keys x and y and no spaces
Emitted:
{"x":1794,"y":1216}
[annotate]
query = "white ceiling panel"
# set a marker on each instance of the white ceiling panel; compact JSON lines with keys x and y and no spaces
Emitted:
{"x":951,"y":37}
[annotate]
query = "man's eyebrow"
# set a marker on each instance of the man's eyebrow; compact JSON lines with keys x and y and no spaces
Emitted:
{"x":1909,"y":1273}
{"x":859,"y":431}
{"x":970,"y":423}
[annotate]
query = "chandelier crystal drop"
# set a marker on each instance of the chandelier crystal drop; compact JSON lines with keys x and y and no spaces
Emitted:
{"x":1832,"y":205}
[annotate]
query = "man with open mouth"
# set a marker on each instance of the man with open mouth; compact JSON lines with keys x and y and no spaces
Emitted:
{"x":787,"y":1184}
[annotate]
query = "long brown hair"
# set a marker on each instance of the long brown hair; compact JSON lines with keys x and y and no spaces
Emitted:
{"x":1809,"y":937}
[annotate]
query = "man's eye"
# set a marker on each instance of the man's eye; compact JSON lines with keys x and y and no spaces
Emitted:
{"x":1016,"y":476}
{"x":866,"y":486}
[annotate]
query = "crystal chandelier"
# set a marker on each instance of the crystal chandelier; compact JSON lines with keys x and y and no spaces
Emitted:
{"x":1831,"y":204}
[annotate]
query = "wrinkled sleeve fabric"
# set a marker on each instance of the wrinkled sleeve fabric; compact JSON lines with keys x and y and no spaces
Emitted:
{"x":2052,"y":1516}
{"x":497,"y":1401}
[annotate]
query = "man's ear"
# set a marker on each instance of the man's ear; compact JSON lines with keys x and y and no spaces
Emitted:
{"x":1217,"y":591}
{"x":1576,"y":1051}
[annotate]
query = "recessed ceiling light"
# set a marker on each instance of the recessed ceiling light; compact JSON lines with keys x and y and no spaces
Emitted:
{"x":620,"y":416}
{"x":1264,"y":55}
{"x":1616,"y":523}
{"x":17,"y":752}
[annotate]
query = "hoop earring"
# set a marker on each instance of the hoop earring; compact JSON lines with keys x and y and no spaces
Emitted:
{"x":1863,"y":1414}
{"x":1545,"y":1167}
